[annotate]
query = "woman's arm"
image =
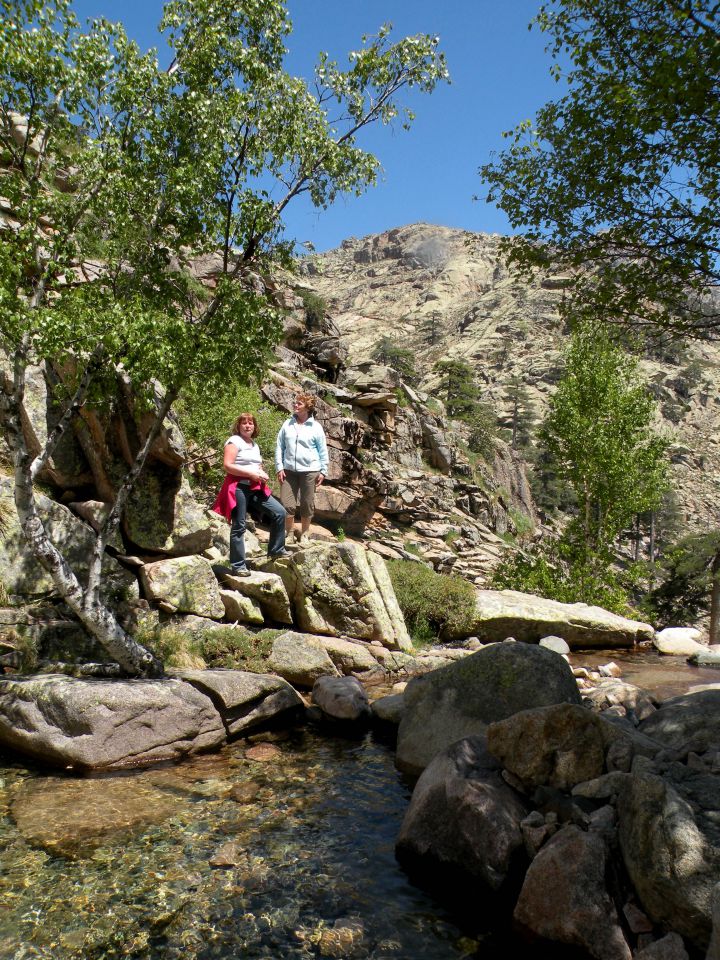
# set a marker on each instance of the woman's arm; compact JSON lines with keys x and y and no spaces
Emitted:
{"x":280,"y":454}
{"x":322,"y":452}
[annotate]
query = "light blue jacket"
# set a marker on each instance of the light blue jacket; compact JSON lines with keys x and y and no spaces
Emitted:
{"x":301,"y":446}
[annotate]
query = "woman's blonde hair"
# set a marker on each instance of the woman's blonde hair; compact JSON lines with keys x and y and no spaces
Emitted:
{"x":309,"y":399}
{"x":247,"y":416}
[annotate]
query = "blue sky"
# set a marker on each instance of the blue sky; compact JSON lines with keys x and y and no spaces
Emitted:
{"x":500,"y":76}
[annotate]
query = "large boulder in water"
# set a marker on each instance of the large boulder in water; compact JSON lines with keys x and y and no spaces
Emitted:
{"x":565,"y":900}
{"x":104,"y":724}
{"x":560,"y":746}
{"x":463,"y":698}
{"x":507,"y":613}
{"x":670,"y":842}
{"x":463,"y":821}
{"x":99,"y":724}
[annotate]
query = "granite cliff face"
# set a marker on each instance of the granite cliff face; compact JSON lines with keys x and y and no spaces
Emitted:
{"x":443,"y":294}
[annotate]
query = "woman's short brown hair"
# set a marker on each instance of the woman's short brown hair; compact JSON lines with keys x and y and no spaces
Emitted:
{"x":309,"y":399}
{"x":247,"y":416}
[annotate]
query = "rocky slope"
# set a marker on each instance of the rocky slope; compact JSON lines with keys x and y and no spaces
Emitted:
{"x":443,"y":294}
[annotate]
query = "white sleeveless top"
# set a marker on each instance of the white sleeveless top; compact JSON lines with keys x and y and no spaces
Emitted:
{"x":248,"y":455}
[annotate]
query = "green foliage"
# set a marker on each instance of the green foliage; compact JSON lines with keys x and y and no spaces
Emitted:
{"x":315,"y":308}
{"x":459,"y":389}
{"x":686,"y":579}
{"x":620,"y":175}
{"x":431,"y":602}
{"x":431,"y":328}
{"x":154,"y":169}
{"x":484,"y":430}
{"x":599,"y":431}
{"x":236,"y":648}
{"x":340,"y":534}
{"x":230,"y":648}
{"x":173,"y":646}
{"x":207,"y":418}
{"x":522,"y":414}
{"x":400,"y":359}
{"x":522,"y":523}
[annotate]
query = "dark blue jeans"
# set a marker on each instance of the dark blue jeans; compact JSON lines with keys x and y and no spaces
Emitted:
{"x":251,"y":500}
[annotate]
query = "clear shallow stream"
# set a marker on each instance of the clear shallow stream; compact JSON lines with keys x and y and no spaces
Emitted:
{"x":120,"y":866}
{"x":130,"y":865}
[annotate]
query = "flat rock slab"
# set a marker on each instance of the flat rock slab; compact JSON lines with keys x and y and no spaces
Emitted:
{"x":73,"y":816}
{"x":101,"y":724}
{"x":301,"y":658}
{"x":244,"y":700}
{"x":508,"y":613}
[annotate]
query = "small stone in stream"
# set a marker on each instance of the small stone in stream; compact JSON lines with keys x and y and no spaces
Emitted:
{"x":244,"y":792}
{"x":230,"y":854}
{"x":262,"y":752}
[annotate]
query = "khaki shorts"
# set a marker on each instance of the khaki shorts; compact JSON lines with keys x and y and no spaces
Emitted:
{"x":299,"y":488}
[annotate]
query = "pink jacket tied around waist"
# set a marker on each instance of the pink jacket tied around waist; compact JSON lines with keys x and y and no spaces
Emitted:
{"x":226,"y":500}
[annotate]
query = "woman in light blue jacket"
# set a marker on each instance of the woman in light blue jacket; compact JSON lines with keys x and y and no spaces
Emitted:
{"x":301,"y":461}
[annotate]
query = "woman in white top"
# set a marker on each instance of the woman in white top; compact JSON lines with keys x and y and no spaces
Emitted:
{"x":242,"y":460}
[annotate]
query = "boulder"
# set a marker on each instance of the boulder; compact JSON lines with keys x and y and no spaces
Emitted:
{"x":564,"y":898}
{"x":187,"y":583}
{"x":335,"y":589}
{"x":245,"y":701}
{"x":341,"y":698}
{"x":507,"y":613}
{"x":671,"y":856}
{"x":389,"y":709}
{"x":556,"y":644}
{"x":300,"y":659}
{"x":612,"y":692}
{"x":464,"y":697}
{"x":240,"y":609}
{"x":21,"y":574}
{"x":464,"y":820}
{"x":559,"y":746}
{"x":163,"y":515}
{"x":267,"y":590}
{"x":100,"y":724}
{"x":706,"y":658}
{"x":713,"y":952}
{"x":688,"y":722}
{"x":679,"y":641}
{"x":349,"y":656}
{"x":669,"y":947}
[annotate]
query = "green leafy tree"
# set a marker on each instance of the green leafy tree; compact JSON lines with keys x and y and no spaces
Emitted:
{"x":484,"y":430}
{"x":315,"y":309}
{"x":691,"y":581}
{"x":104,"y":151}
{"x":430,"y":328}
{"x":459,"y":388}
{"x":387,"y":352}
{"x":522,"y":414}
{"x":619,"y":179}
{"x":599,"y":430}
